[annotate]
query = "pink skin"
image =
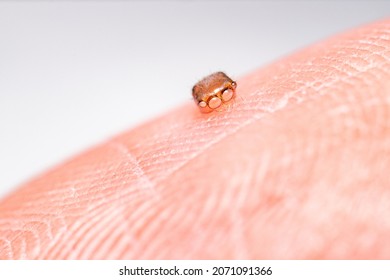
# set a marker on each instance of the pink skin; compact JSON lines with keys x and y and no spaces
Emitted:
{"x":298,"y":167}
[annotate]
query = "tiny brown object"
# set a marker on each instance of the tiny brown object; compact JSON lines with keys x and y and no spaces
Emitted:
{"x":214,"y":90}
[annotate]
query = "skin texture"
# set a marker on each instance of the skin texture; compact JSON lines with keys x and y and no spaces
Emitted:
{"x":296,"y":168}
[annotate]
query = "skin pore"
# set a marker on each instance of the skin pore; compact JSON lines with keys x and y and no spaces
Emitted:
{"x":297,"y":168}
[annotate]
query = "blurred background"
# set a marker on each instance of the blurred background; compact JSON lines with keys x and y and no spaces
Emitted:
{"x":74,"y":73}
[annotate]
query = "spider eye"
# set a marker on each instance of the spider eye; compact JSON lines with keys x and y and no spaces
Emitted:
{"x":227,"y":94}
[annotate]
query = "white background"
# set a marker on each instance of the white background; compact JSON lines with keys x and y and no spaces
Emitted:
{"x":73,"y":73}
{"x":281,"y":270}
